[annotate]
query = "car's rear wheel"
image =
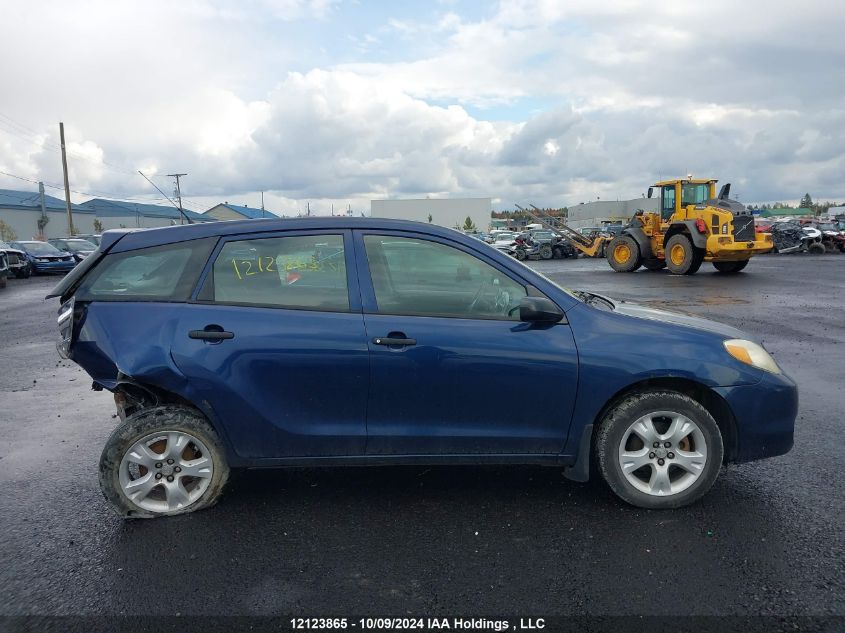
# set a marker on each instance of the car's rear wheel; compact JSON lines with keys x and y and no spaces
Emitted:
{"x":546,"y":251}
{"x":659,"y":449}
{"x":163,"y":461}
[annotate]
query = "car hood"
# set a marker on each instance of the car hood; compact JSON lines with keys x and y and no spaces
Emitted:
{"x":678,"y":318}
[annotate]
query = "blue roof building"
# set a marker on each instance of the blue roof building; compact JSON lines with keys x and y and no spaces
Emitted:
{"x":22,"y":214}
{"x":226,"y":211}
{"x":114,"y":214}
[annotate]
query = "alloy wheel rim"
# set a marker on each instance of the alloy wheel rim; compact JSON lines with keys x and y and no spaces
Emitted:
{"x":165,"y":471}
{"x":662,"y":453}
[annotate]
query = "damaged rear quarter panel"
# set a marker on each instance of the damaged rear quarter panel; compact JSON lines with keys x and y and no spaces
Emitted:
{"x":135,"y":339}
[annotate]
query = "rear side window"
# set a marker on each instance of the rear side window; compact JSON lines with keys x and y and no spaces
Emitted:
{"x":297,"y":271}
{"x":158,"y":273}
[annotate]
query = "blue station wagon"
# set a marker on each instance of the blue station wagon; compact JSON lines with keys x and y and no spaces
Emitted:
{"x":327,"y":341}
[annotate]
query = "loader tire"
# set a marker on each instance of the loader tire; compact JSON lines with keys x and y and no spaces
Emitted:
{"x":682,"y":257}
{"x":730,"y":267}
{"x":623,"y":254}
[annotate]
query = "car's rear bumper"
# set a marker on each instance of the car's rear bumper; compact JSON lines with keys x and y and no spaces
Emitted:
{"x":765,"y":416}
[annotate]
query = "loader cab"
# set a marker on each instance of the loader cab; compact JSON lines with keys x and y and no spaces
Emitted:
{"x":677,"y":195}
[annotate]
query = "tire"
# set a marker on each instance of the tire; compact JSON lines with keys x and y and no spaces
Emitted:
{"x":546,"y":251}
{"x":520,"y":255}
{"x":616,"y":440}
{"x":24,"y":273}
{"x":816,"y":248}
{"x":654,"y":264}
{"x":730,"y":267}
{"x":122,"y":457}
{"x":623,"y":254}
{"x":682,"y":258}
{"x":557,"y":253}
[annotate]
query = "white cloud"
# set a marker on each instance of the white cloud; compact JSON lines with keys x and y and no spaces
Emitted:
{"x":629,"y":92}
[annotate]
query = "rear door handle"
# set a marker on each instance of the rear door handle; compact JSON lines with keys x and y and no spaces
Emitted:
{"x":210,"y":335}
{"x":386,"y":340}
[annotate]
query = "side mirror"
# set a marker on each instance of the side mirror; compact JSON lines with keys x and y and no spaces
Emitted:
{"x":539,"y":310}
{"x":650,"y":191}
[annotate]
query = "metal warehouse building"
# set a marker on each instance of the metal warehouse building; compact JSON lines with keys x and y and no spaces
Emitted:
{"x":594,"y":214}
{"x":23,"y":213}
{"x":115,"y":214}
{"x":448,"y":212}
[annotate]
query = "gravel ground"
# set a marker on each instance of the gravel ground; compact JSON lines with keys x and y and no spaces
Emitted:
{"x":768,"y":539}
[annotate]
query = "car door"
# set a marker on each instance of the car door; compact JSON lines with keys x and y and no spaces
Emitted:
{"x":453,"y":370}
{"x":274,"y":340}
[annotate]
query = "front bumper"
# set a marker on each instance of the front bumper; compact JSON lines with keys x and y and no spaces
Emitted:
{"x":723,"y":247}
{"x":53,"y":267}
{"x":765,"y":416}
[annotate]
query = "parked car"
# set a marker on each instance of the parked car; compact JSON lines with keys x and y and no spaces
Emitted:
{"x":16,"y":260}
{"x":359,"y":340}
{"x":4,"y":269}
{"x":94,"y":238}
{"x":45,"y":258}
{"x":79,"y":248}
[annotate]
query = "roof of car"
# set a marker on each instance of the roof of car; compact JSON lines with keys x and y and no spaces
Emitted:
{"x":133,"y":238}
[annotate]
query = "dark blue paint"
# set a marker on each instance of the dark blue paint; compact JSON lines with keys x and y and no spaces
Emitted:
{"x":297,"y":386}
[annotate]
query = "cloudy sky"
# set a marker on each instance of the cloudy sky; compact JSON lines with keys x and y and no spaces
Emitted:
{"x":337,"y":102}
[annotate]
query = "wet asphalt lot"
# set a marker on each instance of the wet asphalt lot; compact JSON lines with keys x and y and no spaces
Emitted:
{"x":768,"y":539}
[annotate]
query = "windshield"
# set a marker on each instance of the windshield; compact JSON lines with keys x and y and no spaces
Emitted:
{"x":694,"y":193}
{"x":40,"y":248}
{"x":80,"y":245}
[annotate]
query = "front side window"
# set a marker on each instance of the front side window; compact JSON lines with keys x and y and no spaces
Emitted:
{"x":418,"y":277}
{"x":297,"y":271}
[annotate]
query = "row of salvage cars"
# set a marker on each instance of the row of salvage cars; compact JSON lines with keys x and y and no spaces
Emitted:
{"x":807,"y":235}
{"x":24,"y":258}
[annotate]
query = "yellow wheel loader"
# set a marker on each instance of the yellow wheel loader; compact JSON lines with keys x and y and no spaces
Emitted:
{"x":693,"y":225}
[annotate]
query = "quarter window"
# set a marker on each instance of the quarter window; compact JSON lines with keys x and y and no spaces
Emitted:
{"x":159,"y":273}
{"x":419,"y":277}
{"x":302,"y":271}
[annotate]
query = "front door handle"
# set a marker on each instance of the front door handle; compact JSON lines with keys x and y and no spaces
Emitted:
{"x":210,"y":335}
{"x":387,"y":340}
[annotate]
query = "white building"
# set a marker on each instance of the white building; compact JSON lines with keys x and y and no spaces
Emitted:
{"x":595,"y":214}
{"x":448,"y":212}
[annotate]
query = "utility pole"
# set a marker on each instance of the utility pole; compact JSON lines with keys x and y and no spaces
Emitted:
{"x":70,"y":230}
{"x":179,"y":196}
{"x":42,"y":222}
{"x":262,"y":205}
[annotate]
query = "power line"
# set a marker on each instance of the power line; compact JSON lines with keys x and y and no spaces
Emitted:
{"x":28,"y":134}
{"x":95,"y":194}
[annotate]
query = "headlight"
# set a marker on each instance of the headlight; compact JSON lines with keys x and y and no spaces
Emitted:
{"x":752,"y":354}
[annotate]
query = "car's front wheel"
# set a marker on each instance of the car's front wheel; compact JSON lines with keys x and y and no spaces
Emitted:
{"x":163,"y":461}
{"x":659,"y":449}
